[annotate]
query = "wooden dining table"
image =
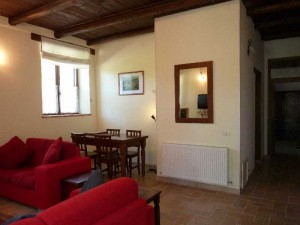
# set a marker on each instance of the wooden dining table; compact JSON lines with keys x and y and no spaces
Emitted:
{"x":123,"y":142}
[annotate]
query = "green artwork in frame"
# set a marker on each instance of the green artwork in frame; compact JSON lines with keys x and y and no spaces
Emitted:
{"x":131,"y":83}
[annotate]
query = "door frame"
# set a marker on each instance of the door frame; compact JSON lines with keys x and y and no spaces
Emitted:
{"x":277,"y":63}
{"x":259,"y":106}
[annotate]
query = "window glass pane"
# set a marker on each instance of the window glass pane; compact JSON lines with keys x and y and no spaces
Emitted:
{"x":84,"y":90}
{"x":65,"y":88}
{"x":68,"y":90}
{"x":49,"y":88}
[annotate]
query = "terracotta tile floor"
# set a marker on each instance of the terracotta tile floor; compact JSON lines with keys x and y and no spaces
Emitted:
{"x":271,"y":197}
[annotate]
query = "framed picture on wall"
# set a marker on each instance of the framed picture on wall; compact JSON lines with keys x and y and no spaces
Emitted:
{"x":131,"y":83}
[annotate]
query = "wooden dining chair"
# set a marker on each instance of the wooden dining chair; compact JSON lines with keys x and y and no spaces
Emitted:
{"x":106,"y":155}
{"x":113,"y":131}
{"x":90,"y":140}
{"x":130,"y":154}
{"x":80,"y":140}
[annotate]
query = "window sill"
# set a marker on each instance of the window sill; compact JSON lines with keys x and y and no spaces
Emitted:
{"x":64,"y":115}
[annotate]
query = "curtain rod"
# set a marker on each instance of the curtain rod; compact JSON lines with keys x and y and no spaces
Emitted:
{"x":37,"y":37}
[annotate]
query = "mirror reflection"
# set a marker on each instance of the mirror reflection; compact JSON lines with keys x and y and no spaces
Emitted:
{"x":193,"y":91}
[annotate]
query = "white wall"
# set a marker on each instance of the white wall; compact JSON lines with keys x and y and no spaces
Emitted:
{"x":209,"y":33}
{"x":247,"y":95}
{"x":280,"y":48}
{"x":20,"y":88}
{"x":131,"y":111}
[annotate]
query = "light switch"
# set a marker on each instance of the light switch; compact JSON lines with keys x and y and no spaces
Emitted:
{"x":226,"y":133}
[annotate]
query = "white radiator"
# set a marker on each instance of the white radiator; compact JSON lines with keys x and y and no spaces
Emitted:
{"x":195,"y":163}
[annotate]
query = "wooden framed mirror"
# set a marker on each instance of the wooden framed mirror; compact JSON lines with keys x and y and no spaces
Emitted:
{"x":194,"y":92}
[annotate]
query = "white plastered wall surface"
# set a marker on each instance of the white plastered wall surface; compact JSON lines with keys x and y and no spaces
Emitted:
{"x":248,"y":62}
{"x":127,"y":111}
{"x":209,"y":33}
{"x":21,"y":93}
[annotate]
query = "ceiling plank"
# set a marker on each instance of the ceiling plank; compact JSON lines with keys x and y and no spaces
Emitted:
{"x":154,"y":10}
{"x":285,"y":62}
{"x":40,"y":11}
{"x":281,"y":35}
{"x":272,"y":8}
{"x":278,"y":22}
{"x":120,"y":35}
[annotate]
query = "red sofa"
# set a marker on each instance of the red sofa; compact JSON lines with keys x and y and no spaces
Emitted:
{"x":35,"y":183}
{"x":113,"y":203}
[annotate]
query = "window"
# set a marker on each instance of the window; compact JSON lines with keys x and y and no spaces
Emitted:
{"x":65,"y":83}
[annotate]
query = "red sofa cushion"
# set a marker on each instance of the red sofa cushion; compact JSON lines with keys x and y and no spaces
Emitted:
{"x":53,"y":153}
{"x":6,"y":175}
{"x":135,"y":213}
{"x":40,"y":146}
{"x":14,"y":153}
{"x":25,"y":179}
{"x":68,"y":150}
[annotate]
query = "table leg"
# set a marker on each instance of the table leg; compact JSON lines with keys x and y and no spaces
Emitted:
{"x":143,"y":145}
{"x":123,"y":150}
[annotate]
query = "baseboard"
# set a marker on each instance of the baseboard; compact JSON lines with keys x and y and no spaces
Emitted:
{"x":198,"y":185}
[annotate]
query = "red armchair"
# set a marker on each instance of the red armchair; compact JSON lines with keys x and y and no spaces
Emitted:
{"x":113,"y":203}
{"x":37,"y":184}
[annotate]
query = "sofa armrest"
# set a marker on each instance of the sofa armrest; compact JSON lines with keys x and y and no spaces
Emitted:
{"x":92,"y":206}
{"x":48,"y":178}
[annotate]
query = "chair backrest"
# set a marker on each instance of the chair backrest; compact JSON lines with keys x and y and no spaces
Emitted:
{"x":133,"y":133}
{"x":103,"y":145}
{"x":79,"y":140}
{"x":90,"y":137}
{"x":113,"y":131}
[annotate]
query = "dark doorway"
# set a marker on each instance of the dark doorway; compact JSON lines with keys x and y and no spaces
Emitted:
{"x":287,"y":109}
{"x":283,"y":106}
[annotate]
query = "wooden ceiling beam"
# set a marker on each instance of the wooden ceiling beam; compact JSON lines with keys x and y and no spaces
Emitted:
{"x":40,"y":11}
{"x":272,"y":8}
{"x":281,"y":35}
{"x":278,"y":22}
{"x":120,"y":35}
{"x":162,"y":8}
{"x":284,"y":62}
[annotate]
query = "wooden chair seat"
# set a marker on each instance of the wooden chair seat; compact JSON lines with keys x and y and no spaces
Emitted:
{"x":90,"y":154}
